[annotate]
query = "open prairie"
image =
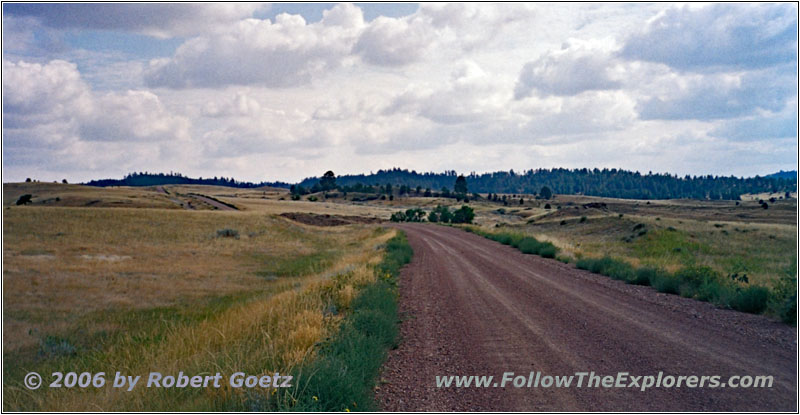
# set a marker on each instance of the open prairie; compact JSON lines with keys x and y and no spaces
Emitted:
{"x":104,"y":288}
{"x":206,"y":278}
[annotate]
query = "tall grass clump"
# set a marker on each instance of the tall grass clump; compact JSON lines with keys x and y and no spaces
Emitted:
{"x":783,"y":302}
{"x":702,"y":283}
{"x":645,"y":275}
{"x":342,"y":376}
{"x":526,"y":244}
{"x":752,"y":299}
{"x":610,"y":267}
{"x":665,"y":283}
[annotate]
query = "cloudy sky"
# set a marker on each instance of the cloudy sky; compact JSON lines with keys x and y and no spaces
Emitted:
{"x":286,"y":91}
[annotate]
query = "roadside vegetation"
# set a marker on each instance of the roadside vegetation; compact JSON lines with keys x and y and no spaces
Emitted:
{"x":344,"y":373}
{"x":704,"y":284}
{"x":525,"y":244}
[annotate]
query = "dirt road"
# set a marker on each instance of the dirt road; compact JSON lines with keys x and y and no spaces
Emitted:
{"x":471,"y":306}
{"x":214,"y":203}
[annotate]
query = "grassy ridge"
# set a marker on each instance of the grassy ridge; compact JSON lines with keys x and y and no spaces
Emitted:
{"x":343,"y":374}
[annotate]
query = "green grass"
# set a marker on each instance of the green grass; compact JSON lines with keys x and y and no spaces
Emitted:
{"x":765,"y":252}
{"x":298,"y":265}
{"x":526,"y":244}
{"x":698,"y":282}
{"x":668,"y":246}
{"x":342,"y":376}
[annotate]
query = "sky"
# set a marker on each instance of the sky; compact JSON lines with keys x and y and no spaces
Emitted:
{"x":287,"y":91}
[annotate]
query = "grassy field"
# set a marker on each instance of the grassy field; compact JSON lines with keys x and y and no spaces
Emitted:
{"x":155,"y":279}
{"x":137,"y":290}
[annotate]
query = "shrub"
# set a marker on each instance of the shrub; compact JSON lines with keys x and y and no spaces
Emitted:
{"x":643,"y":276}
{"x":788,"y":309}
{"x":752,"y":299}
{"x":616,"y":269}
{"x":53,"y":346}
{"x":410,"y":215}
{"x":528,"y":245}
{"x":464,"y":215}
{"x":442,"y":214}
{"x":547,"y":206}
{"x":665,"y":283}
{"x":228,"y":233}
{"x":619,"y":270}
{"x":596,"y":265}
{"x":312,"y":198}
{"x":504,"y":238}
{"x":563,"y":222}
{"x":24,"y":199}
{"x":702,"y":283}
{"x":548,"y":250}
{"x":784,"y":299}
{"x":583,"y":219}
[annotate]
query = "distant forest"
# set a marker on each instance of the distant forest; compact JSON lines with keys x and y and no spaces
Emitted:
{"x":156,"y":179}
{"x":591,"y":182}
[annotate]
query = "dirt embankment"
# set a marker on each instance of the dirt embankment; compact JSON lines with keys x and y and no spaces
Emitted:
{"x":471,"y":306}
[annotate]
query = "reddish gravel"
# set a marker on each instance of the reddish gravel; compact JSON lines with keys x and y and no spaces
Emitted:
{"x":471,"y":306}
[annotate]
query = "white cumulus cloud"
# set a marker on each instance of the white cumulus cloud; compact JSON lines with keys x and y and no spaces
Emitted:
{"x":286,"y":52}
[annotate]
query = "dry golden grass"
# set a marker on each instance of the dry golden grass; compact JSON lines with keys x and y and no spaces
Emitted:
{"x":140,"y":290}
{"x":55,"y":194}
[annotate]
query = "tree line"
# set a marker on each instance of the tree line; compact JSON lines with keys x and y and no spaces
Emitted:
{"x":157,"y":179}
{"x":591,"y":182}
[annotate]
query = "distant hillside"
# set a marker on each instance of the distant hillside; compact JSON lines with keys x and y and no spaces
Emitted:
{"x":783,"y":175}
{"x":592,"y":182}
{"x":156,"y":179}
